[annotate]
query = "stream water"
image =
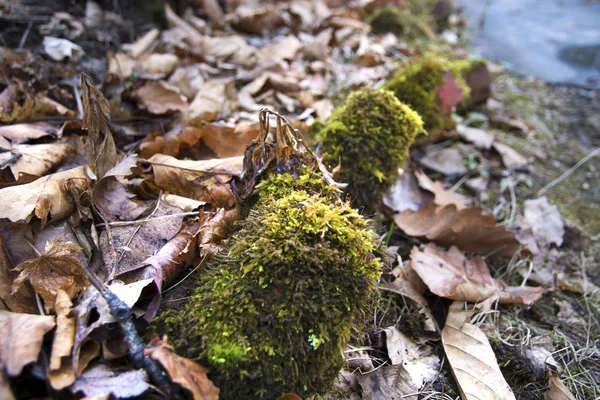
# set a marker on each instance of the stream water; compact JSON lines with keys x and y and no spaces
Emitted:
{"x":554,"y":40}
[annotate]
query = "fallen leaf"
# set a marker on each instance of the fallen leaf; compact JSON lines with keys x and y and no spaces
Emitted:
{"x":472,"y":359}
{"x":510,"y":157}
{"x":477,"y":136}
{"x":160,"y":64}
{"x":5,"y":390}
{"x":100,"y":147}
{"x":100,"y":380}
{"x":56,"y":270}
{"x":255,"y":18}
{"x":200,"y":180}
{"x":21,"y":133}
{"x":21,"y":338}
{"x":160,"y":98}
{"x":49,"y":197}
{"x":214,"y":99}
{"x":441,"y":196}
{"x":557,"y":390}
{"x":391,"y":382}
{"x":448,"y":161}
{"x":282,"y":50}
{"x":451,"y":275}
{"x":232,"y":49}
{"x":289,"y":396}
{"x":467,"y":229}
{"x":22,"y":301}
{"x":34,"y":161}
{"x":419,"y":360}
{"x":406,"y":194}
{"x":60,"y":49}
{"x":204,"y":141}
{"x":60,"y":372}
{"x":187,"y":373}
{"x":323,"y":108}
{"x":540,"y":227}
{"x":124,"y":248}
{"x":120,"y":65}
{"x":142,"y":43}
{"x":510,"y":124}
{"x":271,"y":80}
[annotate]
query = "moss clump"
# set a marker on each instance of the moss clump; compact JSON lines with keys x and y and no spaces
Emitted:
{"x":274,"y":311}
{"x":401,"y":23}
{"x":417,"y":85}
{"x":370,"y":133}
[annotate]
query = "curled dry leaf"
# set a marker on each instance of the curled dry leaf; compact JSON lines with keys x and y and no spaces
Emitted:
{"x":450,"y":274}
{"x":21,"y":301}
{"x":100,"y":147}
{"x":472,"y":359}
{"x":51,"y":197}
{"x":100,"y":380}
{"x":467,"y":229}
{"x":477,"y":136}
{"x":142,"y":43}
{"x":60,"y":372}
{"x":21,"y":133}
{"x":58,"y":269}
{"x":447,"y":161}
{"x":557,"y":390}
{"x":214,"y":98}
{"x":284,"y":49}
{"x":160,"y":98}
{"x":187,"y":373}
{"x":34,"y":161}
{"x":510,"y":157}
{"x":200,"y":180}
{"x":21,"y":338}
{"x":197,"y":142}
{"x":419,"y":360}
{"x":161,"y":64}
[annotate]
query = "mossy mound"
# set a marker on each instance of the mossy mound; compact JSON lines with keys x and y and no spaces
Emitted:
{"x":272,"y":314}
{"x":401,"y":23}
{"x":417,"y":85}
{"x":370,"y":134}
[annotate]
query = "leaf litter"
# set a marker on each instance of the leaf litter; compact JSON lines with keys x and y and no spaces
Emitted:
{"x":190,"y":94}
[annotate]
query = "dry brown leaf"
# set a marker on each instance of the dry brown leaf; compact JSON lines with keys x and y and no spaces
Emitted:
{"x":200,"y":180}
{"x":142,"y":43}
{"x":419,"y":360}
{"x":124,"y":248}
{"x":391,"y":382}
{"x":284,"y":49}
{"x":441,"y":196}
{"x":160,"y":64}
{"x":21,"y":338}
{"x":477,"y":136}
{"x":58,"y":269}
{"x":214,"y":98}
{"x":21,"y":133}
{"x":205,"y":141}
{"x":232,"y":49}
{"x":540,"y":227}
{"x":317,"y":47}
{"x":510,"y":124}
{"x":5,"y":390}
{"x":448,"y":161}
{"x":34,"y":161}
{"x":187,"y":373}
{"x":557,"y":390}
{"x":467,"y":229}
{"x":271,"y":80}
{"x":22,"y":301}
{"x":100,"y":147}
{"x":472,"y":359}
{"x":450,"y":274}
{"x":289,"y":396}
{"x":323,"y":108}
{"x":65,"y":375}
{"x":255,"y":18}
{"x":120,"y":65}
{"x":212,"y":9}
{"x":159,"y":98}
{"x":49,"y":197}
{"x":99,"y":380}
{"x":510,"y":157}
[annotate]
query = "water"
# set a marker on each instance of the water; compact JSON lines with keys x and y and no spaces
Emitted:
{"x":554,"y":40}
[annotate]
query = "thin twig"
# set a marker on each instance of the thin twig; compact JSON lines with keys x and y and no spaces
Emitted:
{"x":25,"y":35}
{"x":569,"y":171}
{"x":143,"y":221}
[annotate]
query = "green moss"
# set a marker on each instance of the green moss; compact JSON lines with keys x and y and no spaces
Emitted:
{"x":417,"y":86}
{"x":401,"y":23}
{"x":370,"y":133}
{"x":273,"y":313}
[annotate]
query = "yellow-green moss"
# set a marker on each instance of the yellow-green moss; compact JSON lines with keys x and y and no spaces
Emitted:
{"x":401,"y":23}
{"x":371,"y":134}
{"x":418,"y":83}
{"x":274,"y":311}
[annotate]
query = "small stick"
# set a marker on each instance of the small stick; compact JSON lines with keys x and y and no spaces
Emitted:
{"x":569,"y":171}
{"x":25,"y":35}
